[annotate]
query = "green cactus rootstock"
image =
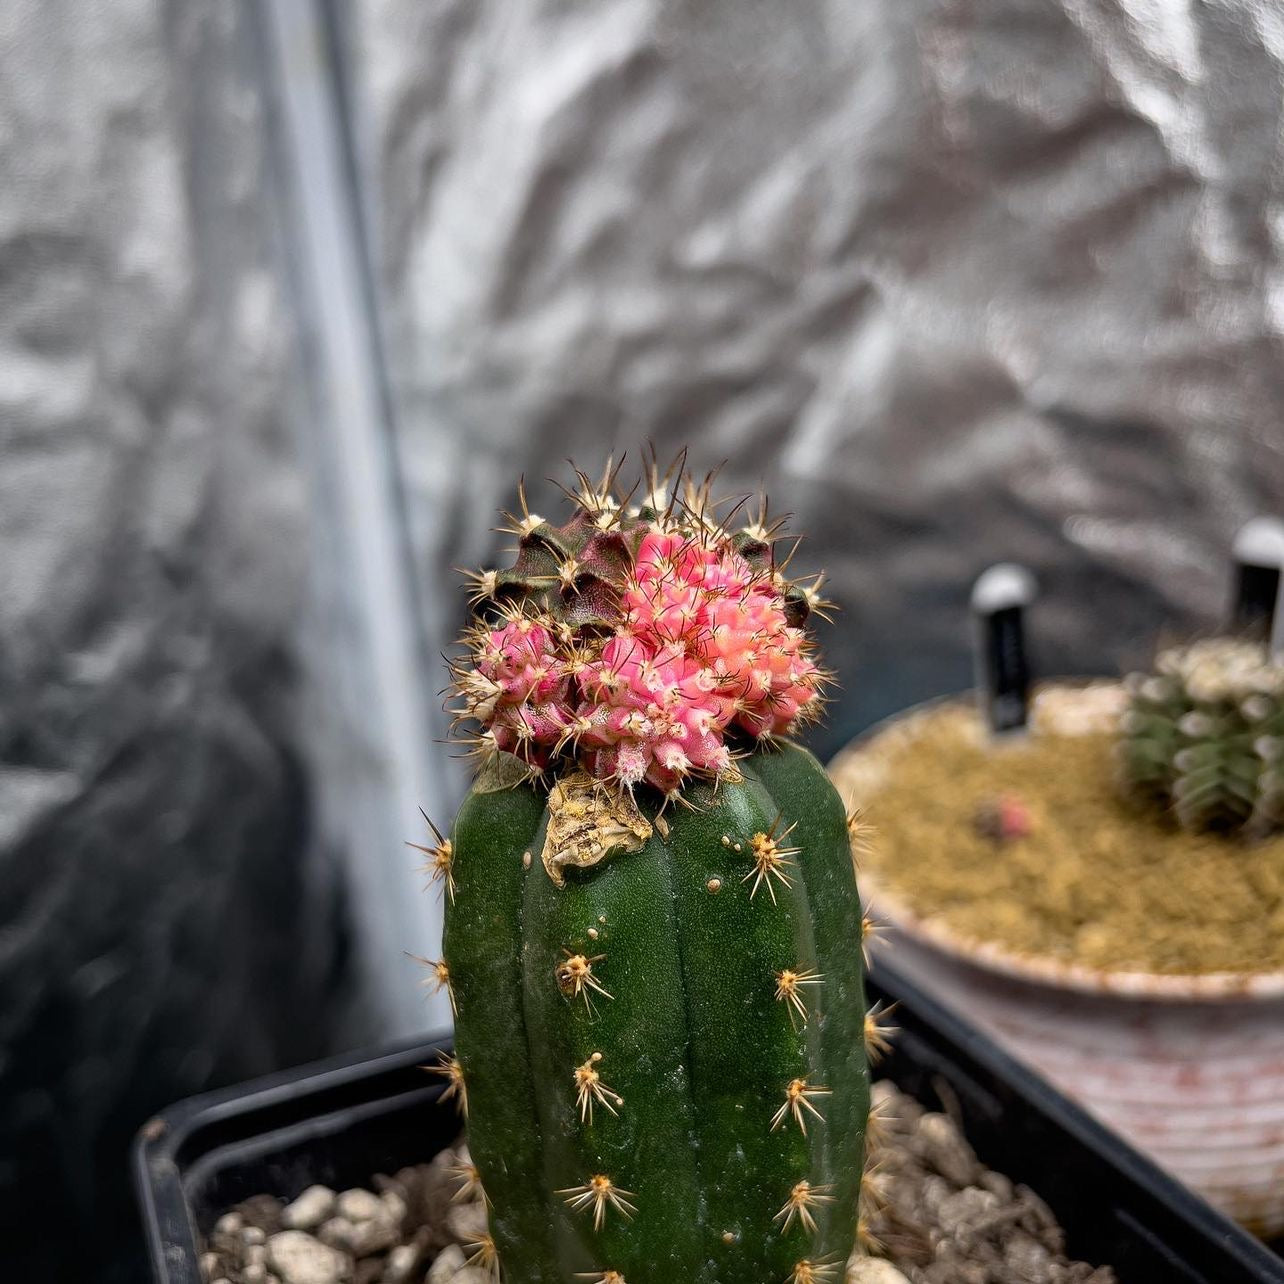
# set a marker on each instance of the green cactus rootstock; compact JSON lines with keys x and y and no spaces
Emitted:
{"x":684,"y":1022}
{"x":653,"y":939}
{"x":1203,"y":736}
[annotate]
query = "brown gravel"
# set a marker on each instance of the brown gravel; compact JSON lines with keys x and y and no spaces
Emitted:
{"x":942,"y":1218}
{"x":947,"y":1219}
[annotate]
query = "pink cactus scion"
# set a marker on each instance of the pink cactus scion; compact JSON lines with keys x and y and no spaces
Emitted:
{"x":696,"y":645}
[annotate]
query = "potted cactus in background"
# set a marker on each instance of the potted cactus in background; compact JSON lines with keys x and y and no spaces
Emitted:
{"x":1203,"y":737}
{"x":1095,"y":871}
{"x":653,"y":935}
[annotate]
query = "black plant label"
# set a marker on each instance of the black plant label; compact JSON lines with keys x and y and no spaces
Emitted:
{"x":1006,"y":678}
{"x":1256,"y":589}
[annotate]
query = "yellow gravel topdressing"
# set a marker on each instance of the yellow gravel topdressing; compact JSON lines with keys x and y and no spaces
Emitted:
{"x":1097,"y":881}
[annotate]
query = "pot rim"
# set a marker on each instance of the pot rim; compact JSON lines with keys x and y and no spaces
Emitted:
{"x":1042,"y":969}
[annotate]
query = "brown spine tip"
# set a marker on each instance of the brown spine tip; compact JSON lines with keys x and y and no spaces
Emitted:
{"x":873,"y":1187}
{"x":470,"y":1188}
{"x":574,"y":976}
{"x":789,"y":983}
{"x":599,"y":1193}
{"x":870,"y":930}
{"x":879,"y":1032}
{"x":802,"y":1199}
{"x":809,"y":1272}
{"x":869,"y":1241}
{"x":798,"y":1094}
{"x":439,"y":865}
{"x":590,"y":1089}
{"x":485,"y":1257}
{"x":770,"y":860}
{"x":439,"y":979}
{"x":453,"y":1072}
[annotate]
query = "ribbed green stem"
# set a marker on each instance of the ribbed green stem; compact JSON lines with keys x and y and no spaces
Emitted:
{"x":693,"y":1037}
{"x":482,"y":942}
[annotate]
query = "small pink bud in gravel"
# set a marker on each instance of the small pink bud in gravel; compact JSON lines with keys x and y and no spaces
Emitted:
{"x":1003,"y":819}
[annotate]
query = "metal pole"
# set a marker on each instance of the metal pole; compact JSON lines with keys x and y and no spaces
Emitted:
{"x":387,"y":769}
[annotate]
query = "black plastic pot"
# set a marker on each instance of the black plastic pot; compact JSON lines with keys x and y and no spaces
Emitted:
{"x":340,"y":1122}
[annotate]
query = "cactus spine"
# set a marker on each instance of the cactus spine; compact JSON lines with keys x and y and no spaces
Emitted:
{"x":1204,"y":735}
{"x":653,"y":937}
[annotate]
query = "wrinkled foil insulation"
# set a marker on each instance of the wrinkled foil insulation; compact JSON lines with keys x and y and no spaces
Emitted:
{"x":163,"y":921}
{"x":959,"y":281}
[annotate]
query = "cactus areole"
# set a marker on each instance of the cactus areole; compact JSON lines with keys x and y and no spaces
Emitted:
{"x":653,"y":937}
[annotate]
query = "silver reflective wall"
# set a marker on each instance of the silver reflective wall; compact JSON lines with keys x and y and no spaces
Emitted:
{"x":281,"y":321}
{"x":166,"y":919}
{"x":960,"y":279}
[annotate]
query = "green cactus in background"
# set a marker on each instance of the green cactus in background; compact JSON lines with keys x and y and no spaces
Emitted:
{"x":1203,"y":736}
{"x":653,"y":935}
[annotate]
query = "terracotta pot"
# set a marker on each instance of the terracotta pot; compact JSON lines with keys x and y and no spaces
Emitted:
{"x":1189,"y":1068}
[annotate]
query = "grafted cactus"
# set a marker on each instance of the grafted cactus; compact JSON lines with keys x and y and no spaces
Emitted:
{"x":1204,"y":736}
{"x":653,"y":936}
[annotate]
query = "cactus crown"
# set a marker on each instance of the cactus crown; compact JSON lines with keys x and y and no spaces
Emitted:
{"x":645,"y":643}
{"x":1204,"y":735}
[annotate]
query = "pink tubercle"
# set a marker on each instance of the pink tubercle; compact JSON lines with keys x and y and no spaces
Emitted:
{"x":703,"y":646}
